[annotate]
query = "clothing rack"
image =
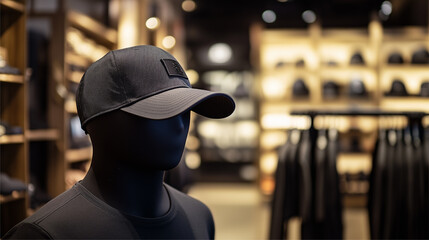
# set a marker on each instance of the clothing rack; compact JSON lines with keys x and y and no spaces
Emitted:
{"x":312,"y":228}
{"x":411,"y":115}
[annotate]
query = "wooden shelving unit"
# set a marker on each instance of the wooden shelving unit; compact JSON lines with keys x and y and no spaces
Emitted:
{"x":77,"y":155}
{"x":70,"y":30}
{"x":11,"y":78}
{"x":15,"y":196}
{"x":42,"y":135}
{"x":13,"y":148}
{"x":12,"y":139}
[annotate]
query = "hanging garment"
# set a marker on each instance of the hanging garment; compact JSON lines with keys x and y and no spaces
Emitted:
{"x":409,"y":155}
{"x":285,"y":198}
{"x":305,"y":176}
{"x":389,"y":212}
{"x":293,"y":184}
{"x":376,"y":196}
{"x":277,"y":229}
{"x":310,"y":229}
{"x":425,"y":220}
{"x":333,"y":223}
{"x":418,"y":172}
{"x":399,"y":229}
{"x":320,"y":185}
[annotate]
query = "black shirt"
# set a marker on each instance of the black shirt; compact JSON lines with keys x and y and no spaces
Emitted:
{"x":78,"y":214}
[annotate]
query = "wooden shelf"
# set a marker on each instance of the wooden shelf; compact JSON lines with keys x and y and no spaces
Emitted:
{"x":405,"y":103}
{"x":77,"y":155}
{"x":42,"y":135}
{"x":11,"y":78}
{"x":75,"y":59}
{"x":14,"y":5}
{"x":13,"y":197}
{"x":93,"y":28}
{"x":12,"y":139}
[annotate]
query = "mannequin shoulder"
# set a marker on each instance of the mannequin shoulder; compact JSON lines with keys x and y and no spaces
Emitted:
{"x":27,"y":230}
{"x":188,"y":203}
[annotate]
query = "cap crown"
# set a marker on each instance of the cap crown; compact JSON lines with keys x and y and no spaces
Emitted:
{"x":125,"y":76}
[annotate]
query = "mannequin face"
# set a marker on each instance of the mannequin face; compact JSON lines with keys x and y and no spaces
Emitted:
{"x":141,"y":142}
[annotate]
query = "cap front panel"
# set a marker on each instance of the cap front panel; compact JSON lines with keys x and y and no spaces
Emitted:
{"x":144,"y":73}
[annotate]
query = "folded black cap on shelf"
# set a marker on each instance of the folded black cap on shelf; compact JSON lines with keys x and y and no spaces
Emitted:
{"x":145,"y":81}
{"x":424,"y":89}
{"x":420,"y":56}
{"x":357,"y":88}
{"x":397,"y":89}
{"x":300,"y":63}
{"x":299,"y":88}
{"x":395,"y":58}
{"x":331,"y":89}
{"x":8,"y":184}
{"x":357,"y":59}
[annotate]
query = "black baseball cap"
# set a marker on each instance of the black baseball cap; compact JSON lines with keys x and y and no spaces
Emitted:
{"x":424,"y":89}
{"x":357,"y":59}
{"x":300,"y":89}
{"x":395,"y":58}
{"x":397,"y":89}
{"x":357,"y":88}
{"x":331,"y":89}
{"x":145,"y":81}
{"x":420,"y":56}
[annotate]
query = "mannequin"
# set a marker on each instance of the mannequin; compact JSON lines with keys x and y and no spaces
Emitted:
{"x":130,"y":155}
{"x":135,"y":105}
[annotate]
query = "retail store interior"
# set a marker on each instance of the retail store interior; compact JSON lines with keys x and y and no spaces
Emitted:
{"x":329,"y":138}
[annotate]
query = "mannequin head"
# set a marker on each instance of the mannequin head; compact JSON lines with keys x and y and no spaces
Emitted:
{"x":139,"y":142}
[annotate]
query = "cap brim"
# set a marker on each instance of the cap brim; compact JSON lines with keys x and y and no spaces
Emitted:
{"x":178,"y":100}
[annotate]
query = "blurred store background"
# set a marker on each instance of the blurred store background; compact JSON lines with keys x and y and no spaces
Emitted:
{"x":329,"y":138}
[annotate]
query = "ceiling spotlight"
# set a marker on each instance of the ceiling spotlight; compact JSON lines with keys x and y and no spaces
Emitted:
{"x":152,"y":23}
{"x":386,"y":8}
{"x":308,"y":16}
{"x":282,"y":0}
{"x":189,"y":5}
{"x":269,"y":16}
{"x":220,"y":53}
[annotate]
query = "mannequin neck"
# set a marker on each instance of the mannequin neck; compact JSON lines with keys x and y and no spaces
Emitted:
{"x":130,"y":190}
{"x":129,"y":158}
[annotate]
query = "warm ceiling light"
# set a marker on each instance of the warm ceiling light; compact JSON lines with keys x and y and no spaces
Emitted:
{"x":152,"y":23}
{"x":269,"y":16}
{"x":309,"y":16}
{"x":188,"y":5}
{"x":220,"y":53}
{"x":168,"y":42}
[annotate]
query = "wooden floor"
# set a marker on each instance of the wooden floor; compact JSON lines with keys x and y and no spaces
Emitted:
{"x":240,"y":212}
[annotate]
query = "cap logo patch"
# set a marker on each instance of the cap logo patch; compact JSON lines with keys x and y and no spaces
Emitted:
{"x":173,"y":68}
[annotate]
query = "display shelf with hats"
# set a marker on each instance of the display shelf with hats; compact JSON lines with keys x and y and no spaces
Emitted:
{"x":340,"y":72}
{"x":366,"y":69}
{"x":13,"y":145}
{"x":404,"y":69}
{"x":348,"y":67}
